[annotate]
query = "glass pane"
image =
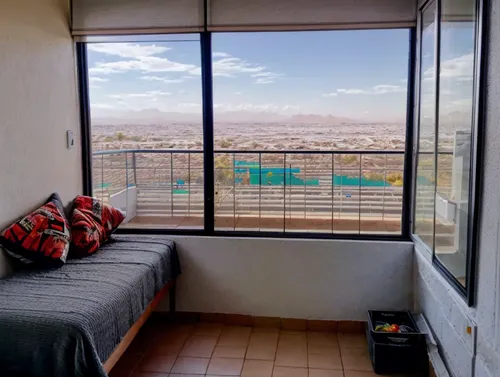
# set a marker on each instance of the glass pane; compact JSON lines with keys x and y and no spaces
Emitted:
{"x":147,"y":134}
{"x":287,"y":108}
{"x":454,"y":135}
{"x":425,"y":175}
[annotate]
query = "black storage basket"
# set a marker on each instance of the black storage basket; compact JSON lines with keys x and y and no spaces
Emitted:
{"x":396,"y":352}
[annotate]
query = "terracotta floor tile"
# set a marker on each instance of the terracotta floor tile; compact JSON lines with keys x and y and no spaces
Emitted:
{"x":314,"y":325}
{"x":225,"y":367}
{"x":232,"y":352}
{"x":265,"y":330}
{"x":264,"y":337}
{"x":156,"y":363}
{"x":257,"y":368}
{"x":352,"y":340}
{"x":208,"y":329}
{"x":322,"y":350}
{"x":240,"y":330}
{"x":190,"y":365}
{"x":199,"y":346}
{"x":150,"y":374}
{"x":236,"y":338}
{"x":290,"y":372}
{"x":167,"y":347}
{"x":325,"y":373}
{"x":324,"y":339}
{"x":357,"y":373}
{"x":285,"y":358}
{"x":263,"y":351}
{"x":332,"y":361}
{"x":356,"y":359}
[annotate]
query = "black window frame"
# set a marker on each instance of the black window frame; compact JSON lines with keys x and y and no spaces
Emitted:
{"x":208,"y":154}
{"x":467,"y":292}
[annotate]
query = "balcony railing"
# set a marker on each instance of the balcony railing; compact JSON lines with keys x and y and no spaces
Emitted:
{"x":283,"y":191}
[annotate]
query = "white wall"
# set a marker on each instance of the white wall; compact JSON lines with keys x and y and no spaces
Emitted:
{"x":446,"y":312}
{"x":38,"y":103}
{"x":315,"y":279}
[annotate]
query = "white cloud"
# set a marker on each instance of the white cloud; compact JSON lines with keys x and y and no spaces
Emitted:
{"x":266,"y":77}
{"x":163,"y":79}
{"x":237,"y":93}
{"x":127,"y":50}
{"x":144,"y":64}
{"x":95,"y":86}
{"x":264,"y":80}
{"x":149,"y":94}
{"x":232,"y":66}
{"x":460,"y":68}
{"x":377,"y":89}
{"x":351,"y":91}
{"x":330,"y":94}
{"x":221,"y":55}
{"x":97,"y":79}
{"x":102,"y":106}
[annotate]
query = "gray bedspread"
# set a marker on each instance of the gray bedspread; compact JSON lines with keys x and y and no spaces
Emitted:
{"x":66,"y":322}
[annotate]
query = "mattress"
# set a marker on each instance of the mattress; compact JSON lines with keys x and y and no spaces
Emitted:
{"x":68,"y":321}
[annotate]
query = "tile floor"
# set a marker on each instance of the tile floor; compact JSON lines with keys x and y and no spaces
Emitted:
{"x":207,"y":349}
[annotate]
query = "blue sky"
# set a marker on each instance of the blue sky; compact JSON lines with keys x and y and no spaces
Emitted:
{"x":355,"y":74}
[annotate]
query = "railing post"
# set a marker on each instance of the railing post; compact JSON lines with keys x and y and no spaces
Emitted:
{"x":284,"y":192}
{"x":333,"y":187}
{"x":359,"y":194}
{"x":234,"y":191}
{"x":134,"y":166}
{"x":385,"y":182}
{"x":189,"y":184}
{"x":171,"y":184}
{"x":260,"y":187}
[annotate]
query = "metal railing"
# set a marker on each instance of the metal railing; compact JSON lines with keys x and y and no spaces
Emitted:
{"x":264,"y":190}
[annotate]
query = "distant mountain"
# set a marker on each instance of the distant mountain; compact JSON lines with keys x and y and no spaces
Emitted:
{"x":155,"y":116}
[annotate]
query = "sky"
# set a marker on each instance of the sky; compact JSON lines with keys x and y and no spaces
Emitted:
{"x":359,"y":74}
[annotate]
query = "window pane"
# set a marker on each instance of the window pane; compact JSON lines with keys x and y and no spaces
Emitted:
{"x":456,"y":80}
{"x":425,"y":175}
{"x":293,"y":113}
{"x":147,"y":134}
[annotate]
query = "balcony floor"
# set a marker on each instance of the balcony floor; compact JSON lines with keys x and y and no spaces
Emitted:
{"x":211,"y":349}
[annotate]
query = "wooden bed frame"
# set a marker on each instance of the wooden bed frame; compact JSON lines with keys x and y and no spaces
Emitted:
{"x":134,"y":330}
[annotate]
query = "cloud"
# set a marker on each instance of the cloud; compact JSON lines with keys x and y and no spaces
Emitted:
{"x":231,"y":66}
{"x":144,"y":64}
{"x":127,"y":50}
{"x":351,"y":91}
{"x":149,"y":94}
{"x":97,"y":79}
{"x":237,"y":93}
{"x":264,"y":80}
{"x":266,"y":77}
{"x":221,"y":55}
{"x":377,"y":89}
{"x":330,"y":94}
{"x":163,"y":79}
{"x":460,"y":68}
{"x":95,"y":86}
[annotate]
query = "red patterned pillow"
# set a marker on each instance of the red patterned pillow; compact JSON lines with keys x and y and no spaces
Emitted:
{"x":42,"y":237}
{"x":92,"y":223}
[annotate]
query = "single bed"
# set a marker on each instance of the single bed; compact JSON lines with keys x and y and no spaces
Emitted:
{"x":78,"y":319}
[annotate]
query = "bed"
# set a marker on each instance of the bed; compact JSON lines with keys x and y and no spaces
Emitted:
{"x":78,"y":319}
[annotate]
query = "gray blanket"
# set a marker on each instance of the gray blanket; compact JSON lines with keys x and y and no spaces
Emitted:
{"x":66,"y":322}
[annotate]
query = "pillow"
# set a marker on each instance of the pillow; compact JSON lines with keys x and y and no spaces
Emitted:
{"x":92,"y":223}
{"x":42,"y":237}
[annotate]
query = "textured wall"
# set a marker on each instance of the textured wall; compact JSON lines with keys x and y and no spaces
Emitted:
{"x":320,"y":279}
{"x":38,"y":103}
{"x":446,"y":312}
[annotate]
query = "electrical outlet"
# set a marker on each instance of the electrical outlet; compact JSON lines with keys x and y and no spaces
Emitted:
{"x":70,"y":139}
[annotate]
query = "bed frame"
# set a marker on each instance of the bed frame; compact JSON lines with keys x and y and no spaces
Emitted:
{"x":134,"y":330}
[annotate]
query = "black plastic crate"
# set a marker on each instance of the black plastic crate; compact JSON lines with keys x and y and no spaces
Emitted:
{"x":396,"y":352}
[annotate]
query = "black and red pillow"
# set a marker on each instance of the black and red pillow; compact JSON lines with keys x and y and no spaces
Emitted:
{"x":92,"y":223}
{"x":42,"y":237}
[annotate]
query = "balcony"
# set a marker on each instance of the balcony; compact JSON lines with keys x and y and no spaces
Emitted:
{"x":358,"y":192}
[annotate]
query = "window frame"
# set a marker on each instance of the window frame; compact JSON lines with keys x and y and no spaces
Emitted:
{"x":209,"y":156}
{"x":467,"y":292}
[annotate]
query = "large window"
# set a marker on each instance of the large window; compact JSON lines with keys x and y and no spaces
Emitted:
{"x":309,"y":136}
{"x":448,"y":136}
{"x":308,"y":129}
{"x":146,"y":125}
